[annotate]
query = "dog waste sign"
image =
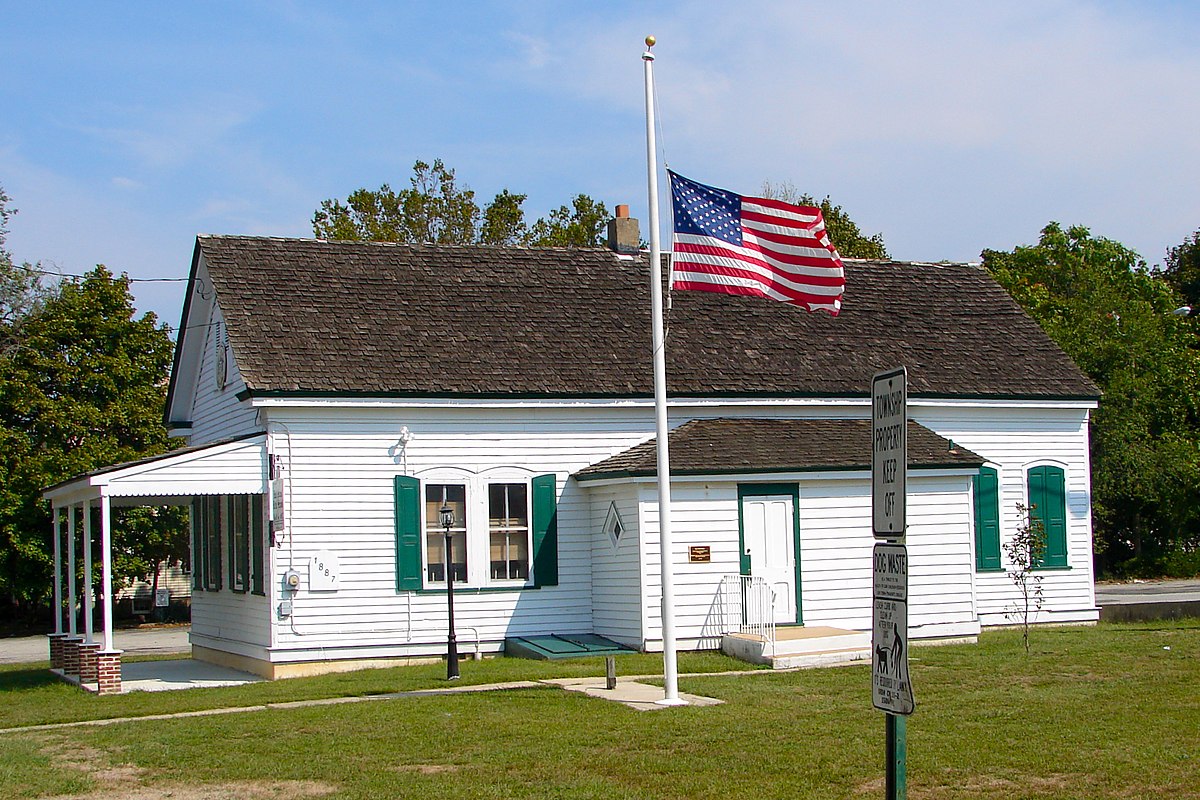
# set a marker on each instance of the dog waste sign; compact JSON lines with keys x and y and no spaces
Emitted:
{"x":890,"y":687}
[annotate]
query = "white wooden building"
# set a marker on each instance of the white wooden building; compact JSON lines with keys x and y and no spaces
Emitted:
{"x":367,"y":385}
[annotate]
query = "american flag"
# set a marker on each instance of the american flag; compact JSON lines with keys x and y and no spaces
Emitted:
{"x":731,"y":244}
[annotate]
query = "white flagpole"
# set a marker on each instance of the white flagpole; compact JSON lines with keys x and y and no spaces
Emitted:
{"x":670,"y":677}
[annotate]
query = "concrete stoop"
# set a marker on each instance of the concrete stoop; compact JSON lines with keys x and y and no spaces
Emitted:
{"x":799,"y":646}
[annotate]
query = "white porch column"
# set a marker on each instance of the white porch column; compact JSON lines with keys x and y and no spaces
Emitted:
{"x":58,"y":607}
{"x":106,"y":566}
{"x":88,"y":612}
{"x":72,"y":627}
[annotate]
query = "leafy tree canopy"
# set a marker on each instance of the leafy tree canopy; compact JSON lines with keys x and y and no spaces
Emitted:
{"x":843,"y":232}
{"x":84,"y":388}
{"x":20,"y":284}
{"x":1100,"y":303}
{"x":435,"y":209}
{"x":583,"y":224}
{"x":1183,"y":270}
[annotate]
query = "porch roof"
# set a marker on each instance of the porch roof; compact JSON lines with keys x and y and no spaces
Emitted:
{"x":230,"y":466}
{"x":739,"y":446}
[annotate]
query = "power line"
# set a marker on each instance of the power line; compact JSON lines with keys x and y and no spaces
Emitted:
{"x":40,"y":271}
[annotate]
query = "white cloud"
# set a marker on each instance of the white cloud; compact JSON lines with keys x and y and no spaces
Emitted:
{"x":992,"y":117}
{"x":155,"y":139}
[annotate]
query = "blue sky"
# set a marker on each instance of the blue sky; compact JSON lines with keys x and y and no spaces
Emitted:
{"x":128,"y":128}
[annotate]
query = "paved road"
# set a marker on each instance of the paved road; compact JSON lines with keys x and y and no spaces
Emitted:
{"x":146,"y":640}
{"x":1147,"y":592}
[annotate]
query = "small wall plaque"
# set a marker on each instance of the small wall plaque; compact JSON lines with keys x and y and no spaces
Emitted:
{"x":700,"y":553}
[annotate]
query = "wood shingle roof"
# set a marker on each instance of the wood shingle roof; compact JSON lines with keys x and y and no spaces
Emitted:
{"x":309,"y":317}
{"x":737,"y":446}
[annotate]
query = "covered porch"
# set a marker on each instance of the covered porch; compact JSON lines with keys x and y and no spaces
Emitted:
{"x":88,"y":657}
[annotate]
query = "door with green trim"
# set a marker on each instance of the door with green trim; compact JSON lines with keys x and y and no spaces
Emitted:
{"x":768,"y":541}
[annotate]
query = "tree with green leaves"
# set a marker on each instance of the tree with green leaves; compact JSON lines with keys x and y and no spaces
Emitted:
{"x":504,"y":220}
{"x":583,"y":224}
{"x":843,"y":231}
{"x":1025,"y":550}
{"x":435,"y":209}
{"x":1183,"y":270}
{"x":83,"y":389}
{"x":21,"y":286}
{"x":1098,"y":300}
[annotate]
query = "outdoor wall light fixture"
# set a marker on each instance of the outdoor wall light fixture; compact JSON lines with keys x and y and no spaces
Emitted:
{"x":446,"y":517}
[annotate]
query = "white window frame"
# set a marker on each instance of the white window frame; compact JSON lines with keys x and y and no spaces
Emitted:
{"x":478,"y":528}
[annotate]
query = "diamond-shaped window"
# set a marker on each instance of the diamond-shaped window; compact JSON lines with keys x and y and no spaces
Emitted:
{"x":613,"y":525}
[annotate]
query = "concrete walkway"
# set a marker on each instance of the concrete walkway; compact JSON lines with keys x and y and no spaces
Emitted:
{"x":165,"y":676}
{"x":631,"y":692}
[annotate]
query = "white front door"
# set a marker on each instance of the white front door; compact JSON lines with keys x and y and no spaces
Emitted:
{"x":768,"y":534}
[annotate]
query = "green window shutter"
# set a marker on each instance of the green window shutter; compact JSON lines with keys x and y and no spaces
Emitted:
{"x":257,"y":555}
{"x":197,"y":545}
{"x":1048,"y":496}
{"x":545,"y":530}
{"x":408,"y":533}
{"x":987,"y":519}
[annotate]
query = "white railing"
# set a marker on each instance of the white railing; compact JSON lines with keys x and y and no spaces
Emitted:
{"x":749,"y":607}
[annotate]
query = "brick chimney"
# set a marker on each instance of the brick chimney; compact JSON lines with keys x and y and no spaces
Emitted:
{"x":623,"y":234}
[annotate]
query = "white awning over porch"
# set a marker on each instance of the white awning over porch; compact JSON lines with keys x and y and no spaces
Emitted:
{"x":234,"y":466}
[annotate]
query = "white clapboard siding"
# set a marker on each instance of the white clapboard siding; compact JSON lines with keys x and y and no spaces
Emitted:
{"x":341,"y":463}
{"x":228,"y":468}
{"x":217,"y":413}
{"x":171,"y":576}
{"x":233,"y":621}
{"x":616,"y":579}
{"x":835,"y":555}
{"x":341,"y":470}
{"x":1012,"y":440}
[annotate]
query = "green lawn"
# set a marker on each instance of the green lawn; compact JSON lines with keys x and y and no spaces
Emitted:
{"x":1105,"y":712}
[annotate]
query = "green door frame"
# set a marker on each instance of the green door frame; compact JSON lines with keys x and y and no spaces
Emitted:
{"x":761,"y":490}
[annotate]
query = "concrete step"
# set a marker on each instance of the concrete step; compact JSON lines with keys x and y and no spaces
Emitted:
{"x":799,"y":646}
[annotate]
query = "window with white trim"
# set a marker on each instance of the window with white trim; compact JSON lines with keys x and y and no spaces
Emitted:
{"x":454,"y":497}
{"x":504,"y":531}
{"x":508,"y":531}
{"x":489,"y":535}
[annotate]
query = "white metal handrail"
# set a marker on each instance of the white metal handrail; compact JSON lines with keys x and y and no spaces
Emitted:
{"x":749,"y":606}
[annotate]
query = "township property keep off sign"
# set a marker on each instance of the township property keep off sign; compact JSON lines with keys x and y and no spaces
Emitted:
{"x":891,"y":689}
{"x":889,"y":453}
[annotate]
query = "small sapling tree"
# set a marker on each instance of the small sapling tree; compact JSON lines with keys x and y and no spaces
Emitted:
{"x":1025,"y":550}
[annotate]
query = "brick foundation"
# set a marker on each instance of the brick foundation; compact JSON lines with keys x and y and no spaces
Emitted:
{"x":108,"y":672}
{"x":56,"y":650}
{"x":87,"y":661}
{"x":70,"y":650}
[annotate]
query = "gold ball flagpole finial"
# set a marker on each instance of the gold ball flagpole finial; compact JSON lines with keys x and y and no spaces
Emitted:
{"x":650,"y":40}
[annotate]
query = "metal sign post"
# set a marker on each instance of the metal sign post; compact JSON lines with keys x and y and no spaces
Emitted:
{"x":891,"y":690}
